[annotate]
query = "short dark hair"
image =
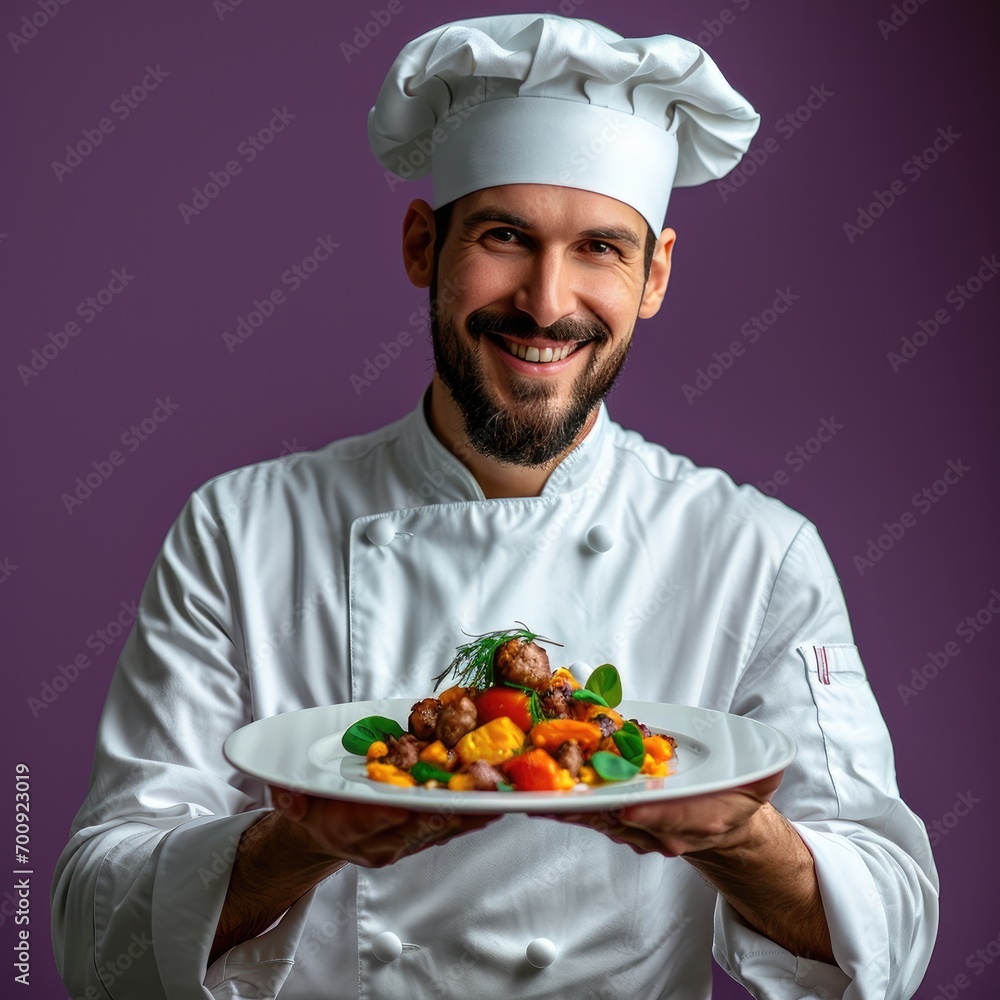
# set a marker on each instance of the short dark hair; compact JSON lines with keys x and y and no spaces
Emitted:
{"x":442,"y":220}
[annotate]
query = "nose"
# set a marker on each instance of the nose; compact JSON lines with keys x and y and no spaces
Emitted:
{"x":545,"y":291}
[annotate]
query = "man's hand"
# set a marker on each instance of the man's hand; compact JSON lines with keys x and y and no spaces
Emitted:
{"x":370,"y":836}
{"x":676,"y":827}
{"x":743,"y":847}
{"x":305,"y":840}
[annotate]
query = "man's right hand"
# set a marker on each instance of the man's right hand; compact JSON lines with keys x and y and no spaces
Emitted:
{"x":305,"y":840}
{"x":371,"y":836}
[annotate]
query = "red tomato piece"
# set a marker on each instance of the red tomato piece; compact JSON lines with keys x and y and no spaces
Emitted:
{"x":496,"y":702}
{"x":537,"y":771}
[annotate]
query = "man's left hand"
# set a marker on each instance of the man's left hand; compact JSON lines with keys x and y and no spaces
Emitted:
{"x":682,"y":826}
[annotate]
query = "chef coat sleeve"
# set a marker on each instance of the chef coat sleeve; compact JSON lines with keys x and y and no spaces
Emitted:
{"x":138,"y":891}
{"x":873,"y":859}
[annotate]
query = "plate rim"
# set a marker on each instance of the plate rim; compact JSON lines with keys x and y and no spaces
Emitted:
{"x":632,"y":793}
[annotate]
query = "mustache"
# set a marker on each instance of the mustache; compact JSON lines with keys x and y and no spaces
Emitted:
{"x":568,"y":329}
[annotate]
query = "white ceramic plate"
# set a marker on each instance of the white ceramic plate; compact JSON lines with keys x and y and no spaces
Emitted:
{"x":302,"y":750}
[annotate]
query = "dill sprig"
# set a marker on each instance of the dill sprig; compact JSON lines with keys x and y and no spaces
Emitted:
{"x":473,"y":662}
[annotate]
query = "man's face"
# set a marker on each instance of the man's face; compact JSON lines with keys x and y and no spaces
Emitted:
{"x":545,"y":285}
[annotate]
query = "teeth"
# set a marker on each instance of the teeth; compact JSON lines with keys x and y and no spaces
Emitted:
{"x":542,"y":356}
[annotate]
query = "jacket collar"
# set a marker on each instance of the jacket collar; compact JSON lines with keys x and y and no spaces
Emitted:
{"x":438,"y":476}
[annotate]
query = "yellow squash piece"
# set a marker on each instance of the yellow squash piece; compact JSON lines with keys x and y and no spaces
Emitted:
{"x":390,"y":774}
{"x":376,"y":750}
{"x":494,"y":742}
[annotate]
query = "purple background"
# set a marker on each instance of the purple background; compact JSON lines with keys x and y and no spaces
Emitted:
{"x":289,"y":385}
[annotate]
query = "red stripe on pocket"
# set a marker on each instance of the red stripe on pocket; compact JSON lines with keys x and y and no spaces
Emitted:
{"x":822,"y":666}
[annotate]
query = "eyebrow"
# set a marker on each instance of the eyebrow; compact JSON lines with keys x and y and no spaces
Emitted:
{"x":619,"y":234}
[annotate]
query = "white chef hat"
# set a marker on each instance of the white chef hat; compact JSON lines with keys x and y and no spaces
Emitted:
{"x":545,"y":99}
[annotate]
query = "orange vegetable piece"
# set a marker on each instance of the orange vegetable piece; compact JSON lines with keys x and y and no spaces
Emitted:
{"x":591,"y":711}
{"x":659,"y":748}
{"x":390,"y":774}
{"x":537,"y":771}
{"x":563,"y":674}
{"x":438,"y":754}
{"x":552,"y":733}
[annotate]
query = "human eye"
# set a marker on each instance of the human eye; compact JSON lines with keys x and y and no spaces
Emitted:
{"x":601,"y":248}
{"x":504,"y":235}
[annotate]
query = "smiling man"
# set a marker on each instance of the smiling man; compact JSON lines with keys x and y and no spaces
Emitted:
{"x":553,"y":145}
{"x":552,"y":282}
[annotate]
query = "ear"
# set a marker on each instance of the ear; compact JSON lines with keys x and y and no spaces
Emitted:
{"x":418,"y":243}
{"x":659,"y":275}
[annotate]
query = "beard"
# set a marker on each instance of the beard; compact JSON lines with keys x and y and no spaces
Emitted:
{"x":531,"y":431}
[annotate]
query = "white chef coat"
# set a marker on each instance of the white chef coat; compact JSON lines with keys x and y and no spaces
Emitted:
{"x":269,"y":596}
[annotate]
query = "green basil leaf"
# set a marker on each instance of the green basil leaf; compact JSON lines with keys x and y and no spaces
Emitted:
{"x":365,"y":732}
{"x":631,"y":727}
{"x":502,"y":786}
{"x":582,"y":694}
{"x":611,"y":767}
{"x":606,"y":682}
{"x":630,"y":746}
{"x":423,"y":771}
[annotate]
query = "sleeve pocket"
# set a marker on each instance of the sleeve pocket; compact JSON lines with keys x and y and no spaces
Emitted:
{"x":858,"y":749}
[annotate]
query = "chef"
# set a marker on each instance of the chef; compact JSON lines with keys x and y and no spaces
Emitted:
{"x":351,"y":573}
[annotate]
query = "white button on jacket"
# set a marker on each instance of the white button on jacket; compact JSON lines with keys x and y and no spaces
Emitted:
{"x":351,"y":573}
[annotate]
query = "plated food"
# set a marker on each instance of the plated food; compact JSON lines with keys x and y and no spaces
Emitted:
{"x":509,"y":722}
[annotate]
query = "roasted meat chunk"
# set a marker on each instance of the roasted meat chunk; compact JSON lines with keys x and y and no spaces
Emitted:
{"x":486,"y":776}
{"x":523,"y":663}
{"x":405,"y":751}
{"x":570,"y":756}
{"x":455,"y":720}
{"x":424,"y":717}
